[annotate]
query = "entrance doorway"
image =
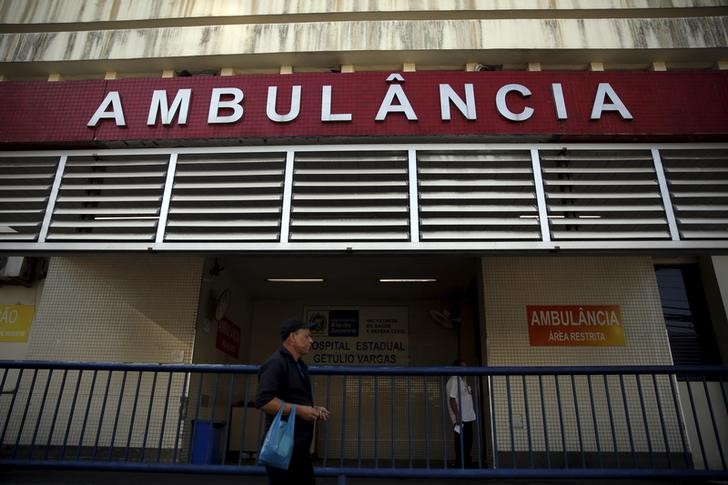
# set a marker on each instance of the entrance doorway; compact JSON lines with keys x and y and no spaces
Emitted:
{"x":438,"y":294}
{"x":430,"y":303}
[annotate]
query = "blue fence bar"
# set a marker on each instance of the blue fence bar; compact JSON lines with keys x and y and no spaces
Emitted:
{"x":531,"y":422}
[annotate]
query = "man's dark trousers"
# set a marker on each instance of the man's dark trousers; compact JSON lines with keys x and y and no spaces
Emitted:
{"x":299,"y":472}
{"x":467,"y":430}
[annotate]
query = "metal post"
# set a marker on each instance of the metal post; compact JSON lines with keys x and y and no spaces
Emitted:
{"x":287,"y":197}
{"x":413,"y":201}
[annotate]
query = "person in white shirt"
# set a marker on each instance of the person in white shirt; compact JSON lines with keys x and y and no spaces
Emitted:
{"x":462,"y":415}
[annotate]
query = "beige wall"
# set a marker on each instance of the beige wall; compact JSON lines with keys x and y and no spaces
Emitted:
{"x":117,"y":308}
{"x":511,"y":283}
{"x":49,"y":11}
{"x":447,"y":35}
{"x":110,"y":308}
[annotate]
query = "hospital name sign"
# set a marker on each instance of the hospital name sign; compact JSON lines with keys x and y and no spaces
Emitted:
{"x":545,"y":105}
{"x":226,"y":104}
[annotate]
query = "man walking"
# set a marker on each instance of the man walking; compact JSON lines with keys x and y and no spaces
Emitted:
{"x":284,"y":377}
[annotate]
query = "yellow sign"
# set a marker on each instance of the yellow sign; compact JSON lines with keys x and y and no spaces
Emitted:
{"x":15,"y":322}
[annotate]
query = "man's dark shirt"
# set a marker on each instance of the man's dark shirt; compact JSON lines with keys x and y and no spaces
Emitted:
{"x":280,"y":376}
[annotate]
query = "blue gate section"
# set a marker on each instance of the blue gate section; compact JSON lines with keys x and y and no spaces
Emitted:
{"x":549,"y":422}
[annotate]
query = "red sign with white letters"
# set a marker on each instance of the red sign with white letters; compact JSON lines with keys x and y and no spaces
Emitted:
{"x":471,"y":106}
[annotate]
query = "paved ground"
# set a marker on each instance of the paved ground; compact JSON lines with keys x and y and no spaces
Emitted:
{"x":62,"y":477}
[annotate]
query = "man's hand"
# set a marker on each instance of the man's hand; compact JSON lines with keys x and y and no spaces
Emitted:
{"x":313,"y":413}
{"x":323,"y":413}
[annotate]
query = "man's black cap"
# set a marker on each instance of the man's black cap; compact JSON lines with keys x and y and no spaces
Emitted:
{"x":290,"y":326}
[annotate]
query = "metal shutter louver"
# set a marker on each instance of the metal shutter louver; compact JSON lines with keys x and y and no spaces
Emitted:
{"x":25,"y":185}
{"x":109,"y":198}
{"x":356,"y":196}
{"x":603,"y":195}
{"x":414,"y":196}
{"x":227,"y":197}
{"x":698,"y":182}
{"x":477,"y":195}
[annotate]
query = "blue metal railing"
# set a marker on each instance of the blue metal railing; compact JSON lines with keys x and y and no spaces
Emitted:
{"x":547,"y":422}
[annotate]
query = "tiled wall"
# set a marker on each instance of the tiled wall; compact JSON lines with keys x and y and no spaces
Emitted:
{"x":118,"y":308}
{"x":110,"y":308}
{"x":510,"y":284}
{"x":585,"y":414}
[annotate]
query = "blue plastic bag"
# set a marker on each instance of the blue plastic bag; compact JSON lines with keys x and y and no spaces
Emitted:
{"x":277,"y":446}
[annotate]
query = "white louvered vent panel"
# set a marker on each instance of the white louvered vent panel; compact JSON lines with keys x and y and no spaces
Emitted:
{"x":603,"y":195}
{"x":698,"y":182}
{"x":109,"y":198}
{"x":25,"y":185}
{"x":351,"y":196}
{"x":227,"y":197}
{"x":477,"y":195}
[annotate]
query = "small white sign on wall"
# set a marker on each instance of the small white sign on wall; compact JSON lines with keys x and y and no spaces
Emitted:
{"x":359,"y":335}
